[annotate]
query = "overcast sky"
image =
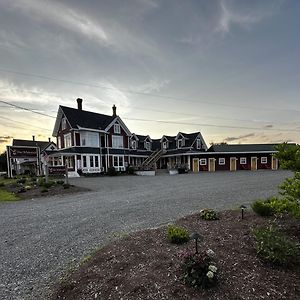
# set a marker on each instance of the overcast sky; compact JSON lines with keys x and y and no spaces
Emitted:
{"x":229,"y":69}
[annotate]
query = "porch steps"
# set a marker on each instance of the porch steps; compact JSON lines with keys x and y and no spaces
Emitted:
{"x":153,"y":158}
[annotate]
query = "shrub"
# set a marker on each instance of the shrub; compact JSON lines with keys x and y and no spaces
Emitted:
{"x":2,"y":184}
{"x":209,"y":214}
{"x":21,"y":181}
{"x":21,"y":190}
{"x":177,"y":235}
{"x":60,"y":182}
{"x":262,"y":208}
{"x":44,"y":190}
{"x":48,"y":185}
{"x":130,"y":170}
{"x":291,"y":187}
{"x":66,"y":186}
{"x":112,"y":171}
{"x":28,"y":187}
{"x":273,"y":246}
{"x":199,"y":270}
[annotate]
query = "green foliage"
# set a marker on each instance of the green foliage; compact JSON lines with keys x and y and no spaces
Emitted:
{"x":209,"y":214}
{"x":2,"y":184}
{"x":66,"y":186}
{"x":177,"y":235}
{"x":48,"y":184}
{"x":21,"y":181}
{"x":60,"y":182}
{"x":130,"y":170}
{"x":198,"y":270}
{"x":262,"y":208}
{"x":44,"y":190}
{"x":291,"y":187}
{"x":7,"y":196}
{"x":289,"y":156}
{"x":273,"y":246}
{"x":112,"y":171}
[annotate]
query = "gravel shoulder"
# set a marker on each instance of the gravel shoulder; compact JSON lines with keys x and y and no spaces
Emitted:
{"x":40,"y":238}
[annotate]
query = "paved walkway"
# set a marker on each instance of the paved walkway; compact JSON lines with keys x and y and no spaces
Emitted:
{"x":40,"y":237}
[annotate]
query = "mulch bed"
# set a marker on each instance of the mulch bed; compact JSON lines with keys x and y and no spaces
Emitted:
{"x":145,"y":265}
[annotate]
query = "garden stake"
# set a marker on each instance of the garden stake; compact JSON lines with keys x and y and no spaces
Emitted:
{"x":196,"y":236}
{"x":242,"y":207}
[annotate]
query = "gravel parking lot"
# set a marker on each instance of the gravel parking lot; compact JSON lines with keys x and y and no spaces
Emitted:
{"x":41,"y":237}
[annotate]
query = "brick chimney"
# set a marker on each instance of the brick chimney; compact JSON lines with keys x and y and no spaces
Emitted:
{"x":49,"y":140}
{"x":79,"y":103}
{"x":33,"y":138}
{"x":114,"y":108}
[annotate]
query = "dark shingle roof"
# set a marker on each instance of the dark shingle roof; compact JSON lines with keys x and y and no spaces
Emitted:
{"x":86,"y":119}
{"x":156,"y":144}
{"x":141,"y":137}
{"x":190,"y":138}
{"x":30,"y":143}
{"x":242,"y":148}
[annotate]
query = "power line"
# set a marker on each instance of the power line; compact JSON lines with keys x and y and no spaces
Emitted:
{"x":140,"y":93}
{"x":210,"y":125}
{"x":27,"y":109}
{"x":14,"y":121}
{"x":173,"y":112}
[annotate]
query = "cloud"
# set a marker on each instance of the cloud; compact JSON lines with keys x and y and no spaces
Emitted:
{"x":244,"y":16}
{"x":5,"y":138}
{"x":241,"y":137}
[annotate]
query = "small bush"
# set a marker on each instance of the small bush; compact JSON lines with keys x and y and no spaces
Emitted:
{"x":199,"y":270}
{"x":21,"y":181}
{"x":2,"y":184}
{"x":209,"y":214}
{"x":112,"y":172}
{"x":21,"y":190}
{"x":44,"y":190}
{"x":262,"y":208}
{"x":66,"y":186}
{"x":273,"y":246}
{"x":177,"y":235}
{"x":60,"y":182}
{"x":28,"y":187}
{"x":48,"y":185}
{"x":130,"y":170}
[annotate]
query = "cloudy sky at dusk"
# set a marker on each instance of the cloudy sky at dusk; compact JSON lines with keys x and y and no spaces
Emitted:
{"x":230,"y":69}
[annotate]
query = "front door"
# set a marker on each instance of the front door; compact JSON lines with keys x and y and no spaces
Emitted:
{"x":253,"y":163}
{"x":211,"y":165}
{"x":274,"y":163}
{"x":196,"y":165}
{"x":232,"y":164}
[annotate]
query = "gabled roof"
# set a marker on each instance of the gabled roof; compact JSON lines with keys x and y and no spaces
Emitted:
{"x":156,"y":144}
{"x":242,"y":148}
{"x":168,"y":137}
{"x":30,"y":143}
{"x":86,"y":119}
{"x":142,"y":138}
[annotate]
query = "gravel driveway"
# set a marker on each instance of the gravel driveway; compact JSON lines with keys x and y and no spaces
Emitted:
{"x":40,"y":237}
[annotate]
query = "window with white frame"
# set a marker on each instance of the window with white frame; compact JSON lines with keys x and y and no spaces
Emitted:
{"x":96,"y":162}
{"x":63,"y":123}
{"x":117,"y":128}
{"x":69,"y":162}
{"x":84,"y":162}
{"x":180,"y":143}
{"x":118,"y":162}
{"x":165,"y":145}
{"x":133,"y":144}
{"x":91,"y":161}
{"x":203,"y":162}
{"x":67,"y":140}
{"x":198,"y":143}
{"x":59,"y":142}
{"x":89,"y":139}
{"x":264,"y":160}
{"x":117,"y":141}
{"x":147,"y":145}
{"x":243,"y":160}
{"x":221,"y":161}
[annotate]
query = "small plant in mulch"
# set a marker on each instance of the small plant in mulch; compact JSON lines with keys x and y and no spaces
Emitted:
{"x":2,"y":184}
{"x":177,"y":235}
{"x":60,"y":182}
{"x":275,"y":247}
{"x":21,"y":181}
{"x":262,"y":207}
{"x":209,"y":214}
{"x":112,"y":171}
{"x":44,"y":190}
{"x":66,"y":186}
{"x":199,"y":269}
{"x":21,"y":190}
{"x":130,"y":170}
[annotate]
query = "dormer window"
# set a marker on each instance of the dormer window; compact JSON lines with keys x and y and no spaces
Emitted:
{"x":147,"y":145}
{"x":117,"y":128}
{"x":165,"y":145}
{"x":133,"y":145}
{"x":180,"y":143}
{"x":64,"y":124}
{"x":198,"y":144}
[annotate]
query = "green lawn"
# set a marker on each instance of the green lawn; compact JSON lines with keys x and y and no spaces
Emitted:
{"x":7,"y":196}
{"x":7,"y":181}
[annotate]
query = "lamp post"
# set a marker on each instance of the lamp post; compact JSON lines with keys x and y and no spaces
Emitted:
{"x":196,"y":237}
{"x":242,"y":207}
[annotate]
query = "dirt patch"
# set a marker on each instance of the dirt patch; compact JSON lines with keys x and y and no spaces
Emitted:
{"x":145,"y":265}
